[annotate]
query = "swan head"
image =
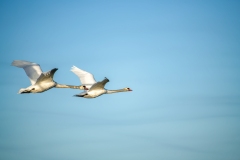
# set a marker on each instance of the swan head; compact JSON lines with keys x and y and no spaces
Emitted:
{"x":127,"y":89}
{"x":26,"y":90}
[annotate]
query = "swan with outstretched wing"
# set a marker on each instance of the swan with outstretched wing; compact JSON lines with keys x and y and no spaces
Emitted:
{"x":40,"y":81}
{"x":98,"y":89}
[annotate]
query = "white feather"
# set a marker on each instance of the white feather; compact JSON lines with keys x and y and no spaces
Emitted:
{"x":32,"y":70}
{"x":86,"y":78}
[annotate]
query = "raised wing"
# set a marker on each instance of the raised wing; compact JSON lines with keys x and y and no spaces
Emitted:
{"x":86,"y":78}
{"x":32,"y":70}
{"x":99,"y":85}
{"x":47,"y":76}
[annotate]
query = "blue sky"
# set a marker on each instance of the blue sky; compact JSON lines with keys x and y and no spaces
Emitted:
{"x":181,"y":58}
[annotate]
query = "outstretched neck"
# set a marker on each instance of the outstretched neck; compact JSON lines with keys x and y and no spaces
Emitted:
{"x":115,"y":91}
{"x":69,"y":86}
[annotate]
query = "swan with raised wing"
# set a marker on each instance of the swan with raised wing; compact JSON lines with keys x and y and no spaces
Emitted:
{"x":40,"y":81}
{"x":98,"y":89}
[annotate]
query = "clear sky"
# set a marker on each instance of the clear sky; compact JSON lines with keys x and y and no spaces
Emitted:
{"x":180,"y":58}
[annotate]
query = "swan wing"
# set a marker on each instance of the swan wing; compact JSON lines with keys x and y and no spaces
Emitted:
{"x":47,"y":76}
{"x":99,"y":85}
{"x":86,"y":78}
{"x":32,"y":70}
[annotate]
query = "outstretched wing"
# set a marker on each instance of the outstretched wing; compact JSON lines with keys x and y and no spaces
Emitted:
{"x":86,"y":78}
{"x":47,"y":76}
{"x":99,"y":85}
{"x":32,"y":70}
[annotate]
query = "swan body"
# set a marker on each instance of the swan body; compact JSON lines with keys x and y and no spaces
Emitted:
{"x":98,"y":89}
{"x":40,"y":81}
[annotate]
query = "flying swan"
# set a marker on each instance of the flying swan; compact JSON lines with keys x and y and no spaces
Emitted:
{"x":92,"y":88}
{"x":98,"y":89}
{"x":40,"y":81}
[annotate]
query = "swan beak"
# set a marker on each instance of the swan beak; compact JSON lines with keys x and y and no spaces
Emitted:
{"x":23,"y":92}
{"x":130,"y":89}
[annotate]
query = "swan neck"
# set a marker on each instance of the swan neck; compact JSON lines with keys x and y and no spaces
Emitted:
{"x":67,"y":86}
{"x":115,"y":91}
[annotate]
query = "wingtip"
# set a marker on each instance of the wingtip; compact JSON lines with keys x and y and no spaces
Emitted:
{"x":107,"y":79}
{"x":55,"y":69}
{"x":72,"y":68}
{"x":12,"y":63}
{"x":22,"y":63}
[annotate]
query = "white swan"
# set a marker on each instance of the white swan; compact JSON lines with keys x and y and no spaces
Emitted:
{"x":40,"y":81}
{"x":98,"y":89}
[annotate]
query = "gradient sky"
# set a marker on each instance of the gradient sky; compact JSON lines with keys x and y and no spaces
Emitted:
{"x":181,"y":58}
